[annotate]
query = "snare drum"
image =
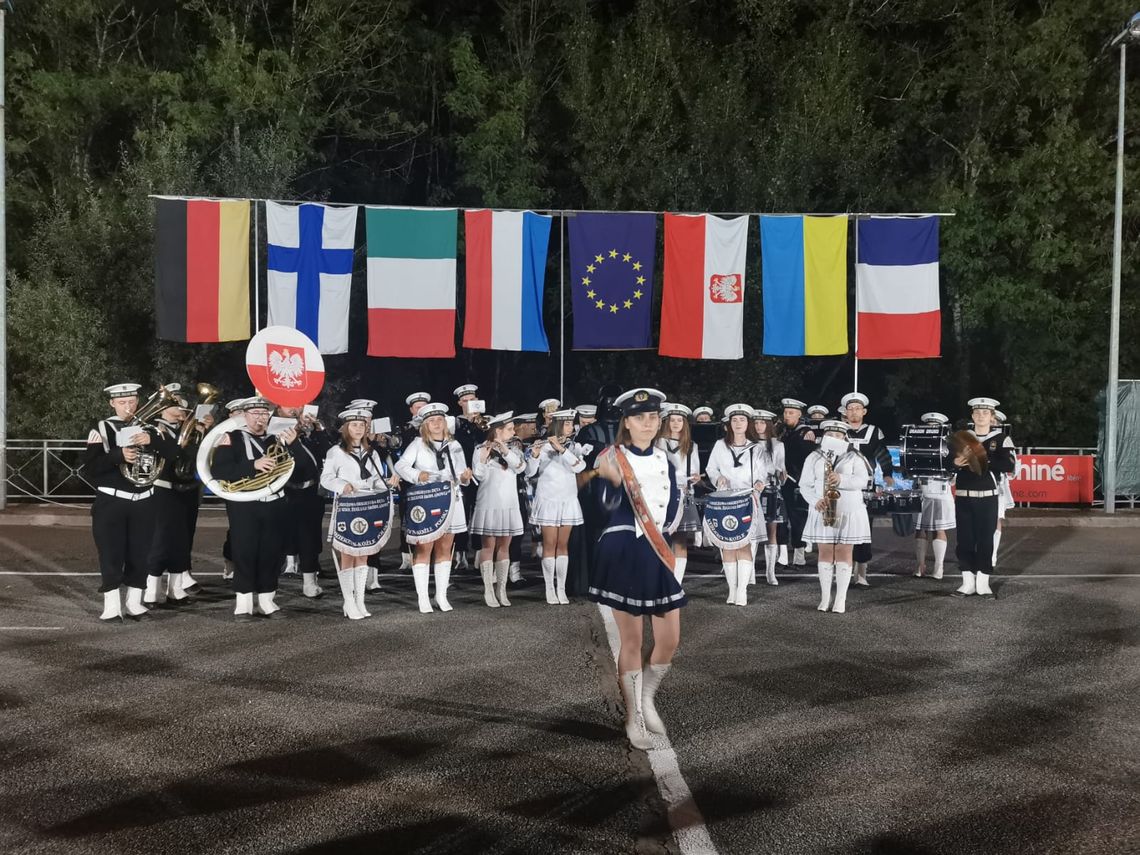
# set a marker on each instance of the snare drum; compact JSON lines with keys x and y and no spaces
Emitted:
{"x":924,"y":450}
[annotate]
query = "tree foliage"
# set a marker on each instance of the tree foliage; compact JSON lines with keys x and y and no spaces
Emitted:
{"x":1002,"y":111}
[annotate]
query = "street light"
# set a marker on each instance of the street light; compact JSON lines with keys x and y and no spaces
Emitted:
{"x":1131,"y":33}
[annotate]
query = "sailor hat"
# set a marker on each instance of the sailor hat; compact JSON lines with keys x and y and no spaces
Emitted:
{"x":417,"y":396}
{"x":436,"y":409}
{"x":640,"y":400}
{"x":123,"y":390}
{"x":550,"y":403}
{"x":739,"y":410}
{"x":792,"y":404}
{"x":563,"y":414}
{"x":937,"y":418}
{"x":256,"y":403}
{"x":525,"y":417}
{"x":983,"y":403}
{"x":590,"y":410}
{"x":361,"y":404}
{"x":764,"y":414}
{"x":708,"y":411}
{"x":833,"y":424}
{"x":501,"y":418}
{"x":858,"y":397}
{"x":669,"y":408}
{"x":355,"y":414}
{"x":817,"y":410}
{"x":999,"y":416}
{"x":465,"y":389}
{"x":234,"y":405}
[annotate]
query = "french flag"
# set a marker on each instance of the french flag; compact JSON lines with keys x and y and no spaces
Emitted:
{"x":896,"y":287}
{"x":506,"y":271}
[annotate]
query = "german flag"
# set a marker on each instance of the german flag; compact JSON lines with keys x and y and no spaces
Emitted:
{"x":201,"y":269}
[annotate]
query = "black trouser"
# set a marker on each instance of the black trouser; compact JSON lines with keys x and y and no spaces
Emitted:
{"x":258,"y":545}
{"x":123,"y":531}
{"x":861,"y":553}
{"x":175,"y":518}
{"x":305,"y":535}
{"x":791,"y":533}
{"x":976,"y":520}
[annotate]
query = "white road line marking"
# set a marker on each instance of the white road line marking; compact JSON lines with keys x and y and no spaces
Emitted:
{"x":33,"y":556}
{"x":685,"y":818}
{"x":27,"y":628}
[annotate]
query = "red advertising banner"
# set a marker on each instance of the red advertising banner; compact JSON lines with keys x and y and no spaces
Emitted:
{"x":1043,"y":479}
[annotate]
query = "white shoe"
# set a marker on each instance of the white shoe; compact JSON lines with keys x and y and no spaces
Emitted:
{"x":309,"y":586}
{"x":347,"y":579}
{"x":291,"y":563}
{"x":112,"y":606}
{"x":373,"y":579}
{"x":861,"y":574}
{"x":420,"y":573}
{"x":243,"y":606}
{"x":782,"y":558}
{"x":842,"y":580}
{"x":730,"y":577}
{"x":798,"y":558}
{"x":561,"y":570}
{"x":968,"y":587}
{"x":651,"y":677}
{"x":982,"y":585}
{"x":487,"y":571}
{"x":515,"y":574}
{"x":150,"y":596}
{"x":405,"y":560}
{"x":227,"y":569}
{"x":634,"y":728}
{"x":770,"y":565}
{"x":265,"y":604}
{"x":360,"y":582}
{"x":826,"y":573}
{"x":501,"y":569}
{"x":548,"y":578}
{"x":189,"y":583}
{"x":745,"y":570}
{"x":133,"y":604}
{"x":174,"y":588}
{"x":442,"y":580}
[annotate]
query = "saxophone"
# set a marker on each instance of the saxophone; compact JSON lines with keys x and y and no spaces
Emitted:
{"x":830,"y":493}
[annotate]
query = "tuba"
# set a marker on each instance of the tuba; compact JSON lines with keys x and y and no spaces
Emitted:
{"x":147,"y":466}
{"x":830,"y":493}
{"x":249,"y":489}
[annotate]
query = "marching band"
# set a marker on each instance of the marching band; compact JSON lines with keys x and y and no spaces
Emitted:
{"x":777,"y":483}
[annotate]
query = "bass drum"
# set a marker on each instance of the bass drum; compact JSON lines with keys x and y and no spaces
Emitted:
{"x":206,"y":459}
{"x":924,"y":450}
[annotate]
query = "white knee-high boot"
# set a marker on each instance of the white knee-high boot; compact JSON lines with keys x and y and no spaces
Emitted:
{"x":651,"y":677}
{"x":501,"y":570}
{"x":730,"y":577}
{"x":938,"y":547}
{"x":842,"y":580}
{"x":515,"y":574}
{"x":920,"y":555}
{"x":826,"y":571}
{"x":967,"y":584}
{"x":679,"y":565}
{"x":347,"y":580}
{"x":420,"y":574}
{"x":561,"y":570}
{"x":770,"y":551}
{"x":745,"y":571}
{"x":487,"y":571}
{"x":631,"y":693}
{"x":360,"y":583}
{"x":442,"y":580}
{"x":548,"y":578}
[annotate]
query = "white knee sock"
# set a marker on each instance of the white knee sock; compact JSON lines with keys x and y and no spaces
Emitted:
{"x":679,"y":565}
{"x":939,"y":547}
{"x":548,"y":578}
{"x":826,"y":571}
{"x":561,"y":569}
{"x":770,"y":563}
{"x":920,"y":550}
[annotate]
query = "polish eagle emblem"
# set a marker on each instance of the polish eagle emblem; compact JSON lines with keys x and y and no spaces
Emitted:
{"x":286,"y":367}
{"x":725,"y":288}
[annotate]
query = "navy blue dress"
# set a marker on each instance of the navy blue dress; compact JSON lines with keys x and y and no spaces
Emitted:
{"x":627,"y":574}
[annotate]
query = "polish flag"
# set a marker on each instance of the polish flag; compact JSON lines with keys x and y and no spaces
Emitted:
{"x":506,"y":270}
{"x":896,"y":288}
{"x":702,"y":310}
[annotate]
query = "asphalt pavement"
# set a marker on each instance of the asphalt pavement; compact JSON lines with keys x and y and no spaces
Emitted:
{"x":916,"y":723}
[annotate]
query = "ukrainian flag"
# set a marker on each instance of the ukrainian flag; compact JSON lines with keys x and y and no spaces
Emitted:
{"x":804,"y":281}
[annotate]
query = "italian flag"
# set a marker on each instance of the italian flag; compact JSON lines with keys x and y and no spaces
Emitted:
{"x":702,"y":309}
{"x":411,"y":281}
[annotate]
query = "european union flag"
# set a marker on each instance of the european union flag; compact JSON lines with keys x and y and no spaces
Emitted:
{"x":611,"y":276}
